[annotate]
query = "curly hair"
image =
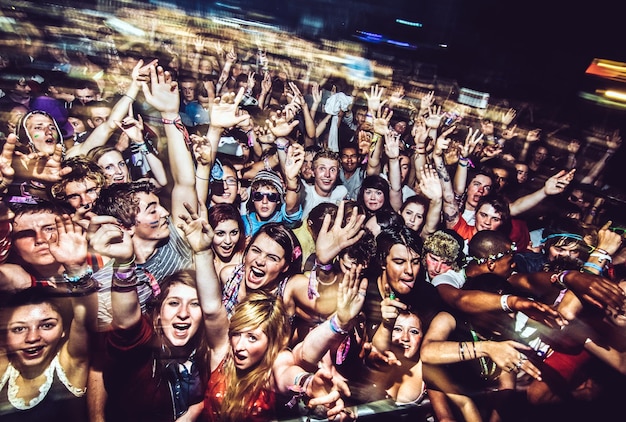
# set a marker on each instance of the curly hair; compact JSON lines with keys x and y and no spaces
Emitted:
{"x":120,"y":201}
{"x":82,"y":169}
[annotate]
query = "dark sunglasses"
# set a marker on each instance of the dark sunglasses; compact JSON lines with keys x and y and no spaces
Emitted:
{"x":271,"y":197}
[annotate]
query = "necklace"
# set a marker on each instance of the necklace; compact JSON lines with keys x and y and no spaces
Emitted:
{"x":327,"y":283}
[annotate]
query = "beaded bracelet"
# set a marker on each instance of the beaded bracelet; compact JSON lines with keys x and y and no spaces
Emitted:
{"x":79,"y":280}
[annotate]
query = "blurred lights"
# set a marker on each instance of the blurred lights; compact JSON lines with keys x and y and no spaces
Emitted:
{"x":615,"y":95}
{"x":409,"y":23}
{"x":607,"y":69}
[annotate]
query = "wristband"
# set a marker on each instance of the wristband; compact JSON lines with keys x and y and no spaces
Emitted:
{"x":504,"y":303}
{"x":601,"y":257}
{"x":171,"y":122}
{"x":594,"y":266}
{"x":335,"y":328}
{"x":282,"y":144}
{"x":125,"y":275}
{"x":325,"y":267}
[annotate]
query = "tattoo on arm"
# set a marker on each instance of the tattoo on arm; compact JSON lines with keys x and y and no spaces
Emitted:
{"x":441,"y":171}
{"x":450,"y":217}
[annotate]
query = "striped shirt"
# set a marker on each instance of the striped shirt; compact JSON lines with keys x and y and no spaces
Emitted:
{"x":171,"y":257}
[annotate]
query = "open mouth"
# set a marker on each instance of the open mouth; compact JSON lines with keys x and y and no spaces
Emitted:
{"x":181,"y":326}
{"x":33,"y":352}
{"x":255,"y":276}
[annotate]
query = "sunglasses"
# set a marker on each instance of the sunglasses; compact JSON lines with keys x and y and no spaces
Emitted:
{"x":271,"y":197}
{"x":574,"y":198}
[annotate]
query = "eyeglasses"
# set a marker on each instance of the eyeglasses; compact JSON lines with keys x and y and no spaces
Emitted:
{"x":271,"y":196}
{"x":574,"y":198}
{"x":230,"y":181}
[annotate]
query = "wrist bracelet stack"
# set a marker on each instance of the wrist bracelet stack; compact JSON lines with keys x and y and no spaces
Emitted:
{"x":124,"y":277}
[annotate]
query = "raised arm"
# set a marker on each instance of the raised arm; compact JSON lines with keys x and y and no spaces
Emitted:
{"x":430,"y":187}
{"x":553,"y":186}
{"x":199,"y":234}
{"x":613,"y":142}
{"x":472,"y":139}
{"x":162,"y":94}
{"x":392,"y":150}
{"x":102,"y":133}
{"x":451,"y":212}
{"x":290,"y":166}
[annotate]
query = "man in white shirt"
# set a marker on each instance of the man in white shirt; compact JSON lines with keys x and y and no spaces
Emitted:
{"x":324,"y":187}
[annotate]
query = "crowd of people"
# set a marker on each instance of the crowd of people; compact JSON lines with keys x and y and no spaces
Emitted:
{"x":210,"y":228}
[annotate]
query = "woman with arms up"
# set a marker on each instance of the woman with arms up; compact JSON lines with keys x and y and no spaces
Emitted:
{"x":251,"y":367}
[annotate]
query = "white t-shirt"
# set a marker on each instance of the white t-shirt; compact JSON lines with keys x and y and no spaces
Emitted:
{"x":313,"y":199}
{"x":451,"y":277}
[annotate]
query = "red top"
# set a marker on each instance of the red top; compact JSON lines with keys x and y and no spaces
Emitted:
{"x":262,"y":409}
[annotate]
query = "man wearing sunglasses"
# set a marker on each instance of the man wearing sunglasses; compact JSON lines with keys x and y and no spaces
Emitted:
{"x":269,"y":203}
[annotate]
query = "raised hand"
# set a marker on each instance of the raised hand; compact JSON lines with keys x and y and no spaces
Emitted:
{"x":533,"y":135}
{"x":295,"y":159}
{"x":141,"y":72}
{"x":44,"y":167}
{"x":471,"y":140}
{"x":351,"y":295}
{"x":281,"y":124}
{"x":201,"y":149}
{"x":427,"y":100}
{"x":197,"y":229}
{"x":420,"y":134}
{"x":374,"y":102}
{"x":435,"y":115}
{"x":162,"y":93}
{"x":107,"y":237}
{"x":507,"y":117}
{"x":608,"y":240}
{"x":316,"y":93}
{"x":225,"y":111}
{"x":69,"y":245}
{"x":266,"y":83}
{"x":559,"y":182}
{"x":396,"y":97}
{"x":573,"y":146}
{"x":333,"y":239}
{"x":443,"y":142}
{"x":429,"y":183}
{"x":133,"y":128}
{"x":614,"y":141}
{"x":381,"y":122}
{"x":6,"y":162}
{"x":392,"y":145}
{"x":510,"y":132}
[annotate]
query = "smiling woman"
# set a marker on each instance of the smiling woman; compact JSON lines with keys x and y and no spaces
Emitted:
{"x":44,"y":372}
{"x":273,"y":255}
{"x":154,"y":355}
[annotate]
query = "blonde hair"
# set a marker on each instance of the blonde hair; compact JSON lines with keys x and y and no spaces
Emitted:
{"x":258,"y":310}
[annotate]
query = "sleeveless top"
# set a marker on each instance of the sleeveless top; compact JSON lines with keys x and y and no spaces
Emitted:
{"x":58,"y":399}
{"x":262,"y":409}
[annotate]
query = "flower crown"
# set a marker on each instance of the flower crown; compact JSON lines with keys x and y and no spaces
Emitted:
{"x":493,"y":257}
